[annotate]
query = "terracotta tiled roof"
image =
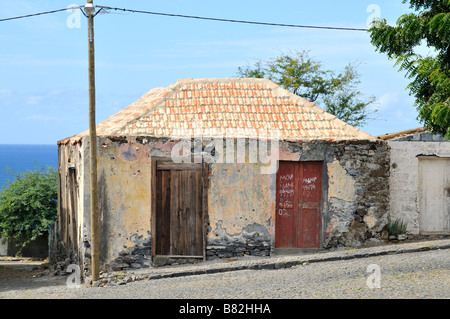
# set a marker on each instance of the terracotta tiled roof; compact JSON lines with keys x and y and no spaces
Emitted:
{"x":228,"y":107}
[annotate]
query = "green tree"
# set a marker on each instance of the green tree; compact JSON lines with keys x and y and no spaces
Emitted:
{"x":430,"y":74}
{"x":302,"y":75}
{"x":28,"y":205}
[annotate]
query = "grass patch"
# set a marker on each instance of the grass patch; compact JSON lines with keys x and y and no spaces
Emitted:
{"x":397,"y":227}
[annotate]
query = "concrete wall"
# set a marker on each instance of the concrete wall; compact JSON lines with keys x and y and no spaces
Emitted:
{"x":3,"y":248}
{"x":404,"y":179}
{"x":241,"y":200}
{"x":36,"y":248}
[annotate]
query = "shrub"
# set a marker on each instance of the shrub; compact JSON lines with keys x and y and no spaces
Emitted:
{"x":28,"y":205}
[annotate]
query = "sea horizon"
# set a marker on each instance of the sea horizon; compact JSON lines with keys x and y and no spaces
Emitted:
{"x":23,"y":157}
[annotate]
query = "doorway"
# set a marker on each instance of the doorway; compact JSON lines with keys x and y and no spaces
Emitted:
{"x":179,"y":207}
{"x":298,"y":222}
{"x":434,"y":195}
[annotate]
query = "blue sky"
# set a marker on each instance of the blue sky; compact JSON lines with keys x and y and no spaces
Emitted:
{"x":43,"y":61}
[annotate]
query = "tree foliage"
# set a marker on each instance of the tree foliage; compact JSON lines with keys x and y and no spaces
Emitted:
{"x":430,"y":74}
{"x":28,"y":205}
{"x":302,"y":75}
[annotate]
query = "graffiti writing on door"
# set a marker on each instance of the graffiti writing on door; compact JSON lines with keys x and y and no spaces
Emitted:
{"x":286,"y":194}
{"x":309,"y":185}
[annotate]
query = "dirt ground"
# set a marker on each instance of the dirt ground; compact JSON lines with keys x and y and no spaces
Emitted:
{"x":23,"y":274}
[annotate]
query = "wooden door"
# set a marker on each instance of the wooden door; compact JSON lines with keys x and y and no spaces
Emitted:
{"x":435,"y":195}
{"x":73,"y":208}
{"x":298,"y":222}
{"x":178,"y":216}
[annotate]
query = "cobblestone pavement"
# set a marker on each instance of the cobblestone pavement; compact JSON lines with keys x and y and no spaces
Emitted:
{"x":418,"y":274}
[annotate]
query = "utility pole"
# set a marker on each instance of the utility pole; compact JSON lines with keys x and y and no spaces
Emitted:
{"x":95,"y":264}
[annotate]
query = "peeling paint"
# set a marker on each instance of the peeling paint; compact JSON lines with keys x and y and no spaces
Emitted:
{"x":167,"y":146}
{"x":239,"y":196}
{"x":250,"y":231}
{"x":287,"y":155}
{"x":341,"y":185}
{"x":127,"y":153}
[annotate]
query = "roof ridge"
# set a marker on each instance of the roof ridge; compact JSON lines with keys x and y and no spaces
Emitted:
{"x":225,"y":103}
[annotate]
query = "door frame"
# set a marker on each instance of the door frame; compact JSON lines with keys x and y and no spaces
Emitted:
{"x":154,"y":215}
{"x":322,"y":206}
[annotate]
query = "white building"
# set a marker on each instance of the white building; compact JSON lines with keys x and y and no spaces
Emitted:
{"x":420,"y":181}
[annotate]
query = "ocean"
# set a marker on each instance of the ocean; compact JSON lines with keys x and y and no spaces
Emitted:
{"x":22,"y":157}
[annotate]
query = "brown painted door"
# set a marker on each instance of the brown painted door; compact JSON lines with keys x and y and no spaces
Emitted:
{"x":298,"y":221}
{"x":179,"y":214}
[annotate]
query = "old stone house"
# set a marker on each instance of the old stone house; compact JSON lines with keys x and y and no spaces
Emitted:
{"x":208,"y":168}
{"x":420,"y":181}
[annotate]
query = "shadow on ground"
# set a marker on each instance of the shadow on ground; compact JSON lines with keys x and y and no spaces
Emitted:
{"x":20,"y":275}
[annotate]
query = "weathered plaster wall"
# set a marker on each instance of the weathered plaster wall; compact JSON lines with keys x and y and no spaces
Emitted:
{"x":239,"y":195}
{"x":404,"y":179}
{"x":241,"y":200}
{"x":67,"y":233}
{"x":124,"y":172}
{"x":240,"y":208}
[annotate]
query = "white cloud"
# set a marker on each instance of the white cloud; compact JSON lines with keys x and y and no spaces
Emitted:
{"x":34,"y":100}
{"x":5,"y":93}
{"x":388,"y":101}
{"x":41,"y":118}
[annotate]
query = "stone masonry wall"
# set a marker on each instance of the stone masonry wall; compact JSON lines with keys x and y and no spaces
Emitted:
{"x":359,"y":203}
{"x":355,"y":198}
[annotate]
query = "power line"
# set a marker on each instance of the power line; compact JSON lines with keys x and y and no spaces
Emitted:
{"x":33,"y":15}
{"x":199,"y":18}
{"x":235,"y":21}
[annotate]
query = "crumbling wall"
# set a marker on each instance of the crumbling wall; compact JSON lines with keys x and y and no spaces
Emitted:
{"x":355,"y":198}
{"x":358,"y":195}
{"x":240,"y":206}
{"x":66,"y":233}
{"x":124,"y":179}
{"x":241,"y":199}
{"x":124,"y":172}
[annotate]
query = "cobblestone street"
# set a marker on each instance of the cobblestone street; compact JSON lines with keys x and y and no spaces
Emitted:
{"x":405,"y":275}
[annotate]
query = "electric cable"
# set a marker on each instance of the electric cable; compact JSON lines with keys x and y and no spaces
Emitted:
{"x":236,"y":21}
{"x":195,"y":17}
{"x":33,"y":15}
